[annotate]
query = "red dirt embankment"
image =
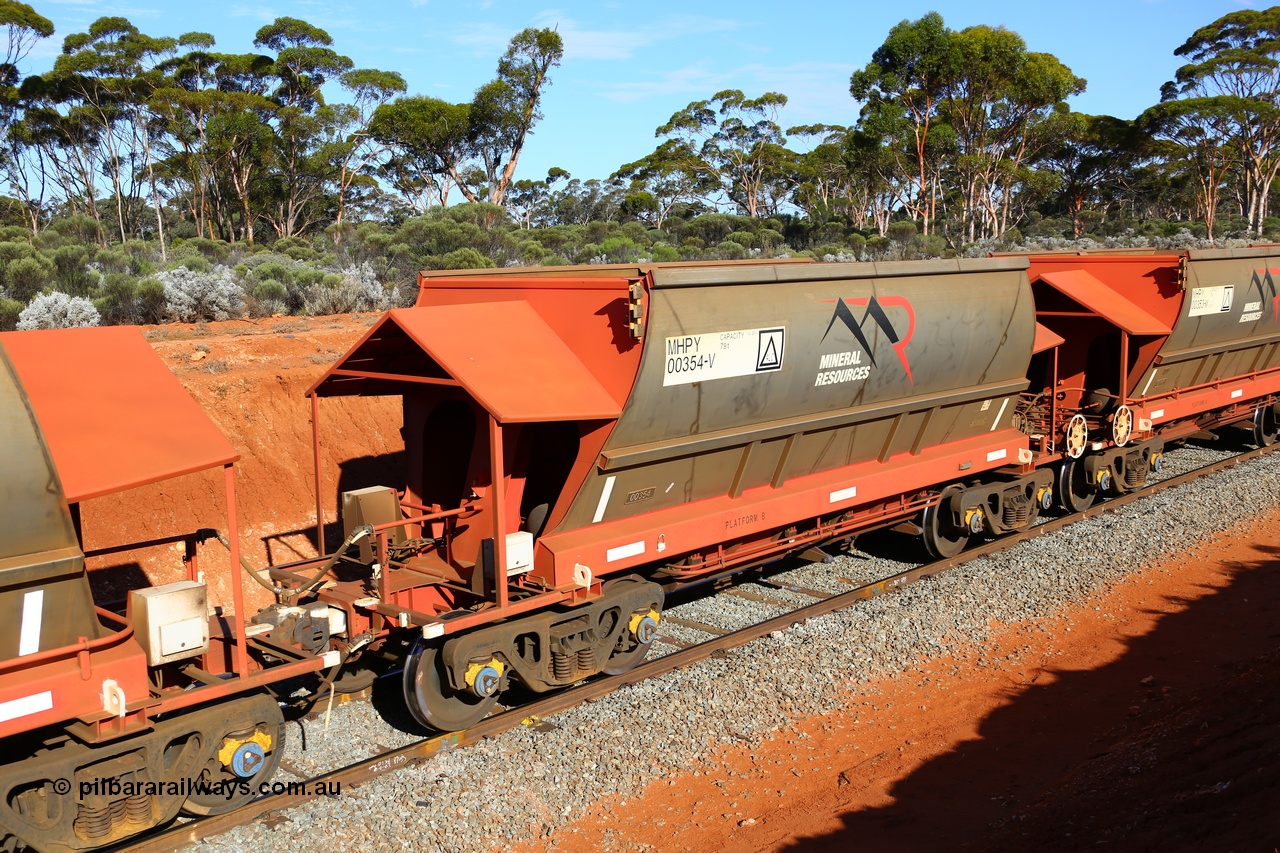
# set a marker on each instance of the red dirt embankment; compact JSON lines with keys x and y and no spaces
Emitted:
{"x":251,"y":378}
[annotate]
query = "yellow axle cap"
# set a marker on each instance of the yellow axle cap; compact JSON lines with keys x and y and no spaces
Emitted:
{"x":231,"y":744}
{"x":473,"y":671}
{"x":637,"y":618}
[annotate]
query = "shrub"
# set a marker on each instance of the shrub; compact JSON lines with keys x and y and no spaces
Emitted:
{"x":664,"y":252}
{"x":270,"y":289}
{"x":358,"y":290}
{"x":195,"y":262}
{"x":295,"y":247}
{"x":192,"y":296}
{"x":73,"y":275}
{"x":617,"y":250}
{"x":150,"y":300}
{"x":10,"y":309}
{"x":464,"y":259}
{"x":731,"y":251}
{"x":903,"y":232}
{"x":119,"y":300}
{"x":25,"y":277}
{"x":58,"y":311}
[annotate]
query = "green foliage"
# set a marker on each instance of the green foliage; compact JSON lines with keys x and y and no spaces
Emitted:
{"x":150,"y":300}
{"x":903,"y":232}
{"x":27,"y":276}
{"x":270,"y":289}
{"x":462,"y":259}
{"x":9,"y":311}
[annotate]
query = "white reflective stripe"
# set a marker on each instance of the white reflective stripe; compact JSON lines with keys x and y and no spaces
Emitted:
{"x":27,"y":705}
{"x":1150,"y":379}
{"x":1239,"y":392}
{"x":32,"y":615}
{"x":432,"y":630}
{"x":844,"y":494}
{"x":1158,"y":413}
{"x":999,"y":415}
{"x":624,"y":551}
{"x":604,"y":499}
{"x":997,"y":454}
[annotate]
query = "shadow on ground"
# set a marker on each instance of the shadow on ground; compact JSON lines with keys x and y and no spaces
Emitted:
{"x":1174,"y":746}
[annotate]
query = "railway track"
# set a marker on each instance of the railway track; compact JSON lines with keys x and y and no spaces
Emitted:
{"x":719,"y":640}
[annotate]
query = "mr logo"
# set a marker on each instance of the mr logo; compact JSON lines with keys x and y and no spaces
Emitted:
{"x":1266,"y":286}
{"x":875,"y":309}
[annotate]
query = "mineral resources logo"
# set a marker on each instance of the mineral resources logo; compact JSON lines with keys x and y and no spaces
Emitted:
{"x":847,"y":366}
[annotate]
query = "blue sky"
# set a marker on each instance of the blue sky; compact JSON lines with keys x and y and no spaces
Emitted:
{"x":629,"y":66}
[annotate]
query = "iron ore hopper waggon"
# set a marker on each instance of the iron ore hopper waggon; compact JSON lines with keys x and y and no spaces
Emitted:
{"x":593,"y":438}
{"x":1156,"y":349}
{"x":579,"y":443}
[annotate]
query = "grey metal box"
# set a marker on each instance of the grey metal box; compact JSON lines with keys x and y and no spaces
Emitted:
{"x":171,"y":621}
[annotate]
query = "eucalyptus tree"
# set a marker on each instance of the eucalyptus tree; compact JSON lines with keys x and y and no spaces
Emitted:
{"x":902,"y":86}
{"x":1094,"y":158}
{"x":1000,"y":105}
{"x":824,"y":183}
{"x":504,"y":111}
{"x":734,"y":141}
{"x":1201,"y":140}
{"x":1229,"y":91}
{"x":24,"y":28}
{"x":354,"y":150}
{"x":434,"y":146}
{"x":427,"y":145}
{"x":304,"y":61}
{"x":22,"y":166}
{"x":663,"y":181}
{"x":105,"y":77}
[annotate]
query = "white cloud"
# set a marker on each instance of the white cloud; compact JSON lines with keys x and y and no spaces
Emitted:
{"x":483,"y":39}
{"x":257,"y":13}
{"x":816,"y":91}
{"x":619,"y":44}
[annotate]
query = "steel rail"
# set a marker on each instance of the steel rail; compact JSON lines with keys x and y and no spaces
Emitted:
{"x":362,"y":771}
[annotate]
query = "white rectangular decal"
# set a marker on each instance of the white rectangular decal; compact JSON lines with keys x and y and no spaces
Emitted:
{"x":999,"y":415}
{"x":1211,"y":300}
{"x":604,"y":499}
{"x":32,"y":616}
{"x":721,"y":355}
{"x":997,"y":454}
{"x":1157,"y":413}
{"x":27,"y":705}
{"x":1150,"y":379}
{"x":1239,"y":392}
{"x":624,"y":551}
{"x":844,"y":494}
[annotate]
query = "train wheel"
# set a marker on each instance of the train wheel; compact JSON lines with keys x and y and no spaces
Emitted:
{"x":432,"y":702}
{"x":1265,"y":427}
{"x":635,"y":638}
{"x":1074,"y":491}
{"x":248,"y":748}
{"x":942,"y":538}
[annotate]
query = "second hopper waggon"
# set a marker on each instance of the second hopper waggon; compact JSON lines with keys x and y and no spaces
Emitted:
{"x":1156,"y":348}
{"x":580,"y":441}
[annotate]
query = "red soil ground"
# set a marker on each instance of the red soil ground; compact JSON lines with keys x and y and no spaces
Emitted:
{"x":1146,"y":719}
